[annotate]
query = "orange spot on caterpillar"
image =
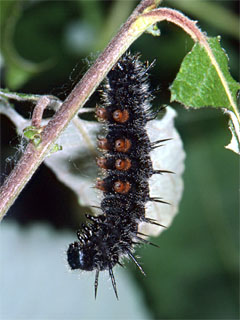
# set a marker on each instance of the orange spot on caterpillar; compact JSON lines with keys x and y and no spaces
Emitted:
{"x":101,"y":114}
{"x":103,"y":144}
{"x":102,"y":163}
{"x":100,"y":185}
{"x":121,"y":116}
{"x":121,"y":187}
{"x":123,"y":164}
{"x":122,"y":145}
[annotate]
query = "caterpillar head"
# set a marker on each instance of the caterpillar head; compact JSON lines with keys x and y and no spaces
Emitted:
{"x":80,"y":257}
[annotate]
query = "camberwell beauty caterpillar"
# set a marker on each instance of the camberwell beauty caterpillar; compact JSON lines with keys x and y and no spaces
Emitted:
{"x":127,"y":165}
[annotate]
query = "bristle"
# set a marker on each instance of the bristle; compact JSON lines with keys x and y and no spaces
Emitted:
{"x":113,"y":282}
{"x":159,"y":200}
{"x":135,"y":261}
{"x":146,"y":241}
{"x":96,"y":282}
{"x":120,"y":264}
{"x":162,"y":171}
{"x":158,"y":143}
{"x":152,"y":221}
{"x":142,"y":234}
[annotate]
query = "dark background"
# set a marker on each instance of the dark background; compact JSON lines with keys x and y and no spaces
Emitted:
{"x":194,"y":274}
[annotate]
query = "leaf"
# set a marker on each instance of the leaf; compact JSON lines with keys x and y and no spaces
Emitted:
{"x":234,"y":127}
{"x":20,"y":122}
{"x":81,"y":178}
{"x":198,"y":84}
{"x":81,"y":181}
{"x":74,"y":164}
{"x":168,"y":186}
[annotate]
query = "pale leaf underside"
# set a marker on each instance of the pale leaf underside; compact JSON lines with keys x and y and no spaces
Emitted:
{"x":75,"y":164}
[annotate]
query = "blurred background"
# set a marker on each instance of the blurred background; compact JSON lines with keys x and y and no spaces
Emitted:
{"x":46,"y":47}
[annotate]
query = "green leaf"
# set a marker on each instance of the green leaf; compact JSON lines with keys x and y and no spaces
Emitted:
{"x":204,"y":80}
{"x":198,"y":84}
{"x":31,"y":131}
{"x":33,"y":134}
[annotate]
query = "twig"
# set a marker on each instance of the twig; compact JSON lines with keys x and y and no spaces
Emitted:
{"x":54,"y":102}
{"x":38,"y":111}
{"x":190,"y":27}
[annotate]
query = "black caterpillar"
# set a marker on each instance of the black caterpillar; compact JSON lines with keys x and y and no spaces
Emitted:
{"x":106,"y":239}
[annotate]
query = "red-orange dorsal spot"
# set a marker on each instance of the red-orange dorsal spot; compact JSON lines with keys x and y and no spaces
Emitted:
{"x":121,"y":116}
{"x":103,"y":144}
{"x":122,"y":145}
{"x":101,"y":114}
{"x":102,"y":162}
{"x":122,"y":187}
{"x":123,"y":165}
{"x":100,"y":185}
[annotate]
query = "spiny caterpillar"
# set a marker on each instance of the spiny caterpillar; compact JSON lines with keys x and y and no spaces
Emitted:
{"x":105,"y":240}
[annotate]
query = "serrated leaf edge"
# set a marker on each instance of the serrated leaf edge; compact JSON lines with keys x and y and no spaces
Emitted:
{"x":214,"y":62}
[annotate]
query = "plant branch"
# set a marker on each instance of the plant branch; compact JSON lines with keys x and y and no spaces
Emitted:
{"x":190,"y":27}
{"x":54,"y":102}
{"x":33,"y":156}
{"x":38,"y":111}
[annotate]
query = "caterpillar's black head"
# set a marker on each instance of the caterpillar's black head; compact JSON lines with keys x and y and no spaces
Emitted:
{"x":79,"y":258}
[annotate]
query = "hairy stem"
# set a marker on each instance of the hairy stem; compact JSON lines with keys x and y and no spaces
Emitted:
{"x":190,"y":27}
{"x":38,"y":111}
{"x":33,"y":156}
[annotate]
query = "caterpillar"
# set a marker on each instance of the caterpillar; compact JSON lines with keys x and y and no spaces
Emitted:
{"x":125,"y":109}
